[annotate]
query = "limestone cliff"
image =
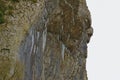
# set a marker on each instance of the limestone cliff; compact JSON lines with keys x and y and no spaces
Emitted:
{"x":45,"y":40}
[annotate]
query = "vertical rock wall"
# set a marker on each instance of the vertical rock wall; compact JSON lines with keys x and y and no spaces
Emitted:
{"x":55,"y":45}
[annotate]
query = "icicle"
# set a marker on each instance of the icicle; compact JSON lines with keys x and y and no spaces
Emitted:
{"x":63,"y":51}
{"x":62,"y":27}
{"x":44,"y":38}
{"x":31,"y":33}
{"x":38,"y":35}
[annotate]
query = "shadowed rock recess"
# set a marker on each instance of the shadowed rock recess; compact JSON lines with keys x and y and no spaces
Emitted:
{"x":46,"y":40}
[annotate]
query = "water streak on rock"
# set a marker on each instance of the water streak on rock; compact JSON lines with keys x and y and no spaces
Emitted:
{"x":63,"y":51}
{"x":56,"y":45}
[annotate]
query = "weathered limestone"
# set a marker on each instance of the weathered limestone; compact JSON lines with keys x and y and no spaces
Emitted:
{"x":48,"y":40}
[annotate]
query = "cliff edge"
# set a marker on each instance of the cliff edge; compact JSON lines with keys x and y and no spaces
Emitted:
{"x":44,"y":39}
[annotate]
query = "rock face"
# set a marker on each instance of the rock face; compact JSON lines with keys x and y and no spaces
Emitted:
{"x":54,"y":46}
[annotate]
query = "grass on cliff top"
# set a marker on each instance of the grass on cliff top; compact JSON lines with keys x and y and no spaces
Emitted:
{"x":4,"y":7}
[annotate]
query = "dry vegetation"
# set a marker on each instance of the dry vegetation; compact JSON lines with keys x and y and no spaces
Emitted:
{"x":6,"y":8}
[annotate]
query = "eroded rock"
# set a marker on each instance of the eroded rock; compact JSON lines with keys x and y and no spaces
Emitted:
{"x":54,"y":46}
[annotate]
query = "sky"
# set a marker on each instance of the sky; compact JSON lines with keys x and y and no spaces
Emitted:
{"x":103,"y":62}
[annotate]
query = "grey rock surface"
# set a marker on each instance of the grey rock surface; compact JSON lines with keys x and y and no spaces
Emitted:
{"x":54,"y":44}
{"x":56,"y":47}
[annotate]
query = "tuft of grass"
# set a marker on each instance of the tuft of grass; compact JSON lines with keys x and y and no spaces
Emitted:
{"x":1,"y":17}
{"x":2,"y":11}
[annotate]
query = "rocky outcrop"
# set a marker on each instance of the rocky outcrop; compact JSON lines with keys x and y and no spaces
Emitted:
{"x":47,"y":40}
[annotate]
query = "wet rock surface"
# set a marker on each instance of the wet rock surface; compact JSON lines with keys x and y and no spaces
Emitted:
{"x":55,"y":46}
